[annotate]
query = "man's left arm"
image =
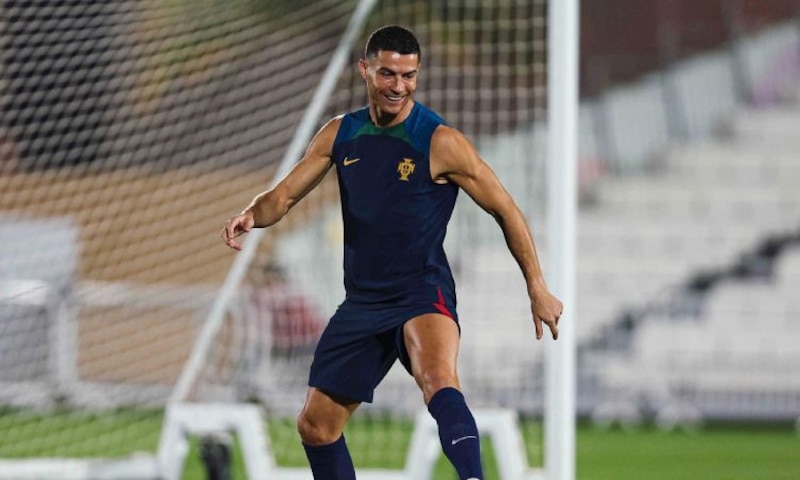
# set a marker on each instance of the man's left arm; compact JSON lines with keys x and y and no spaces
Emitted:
{"x":455,"y":159}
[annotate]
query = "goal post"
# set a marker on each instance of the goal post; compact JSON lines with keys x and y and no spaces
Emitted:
{"x":562,"y":205}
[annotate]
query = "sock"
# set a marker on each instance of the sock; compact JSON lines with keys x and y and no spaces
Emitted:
{"x":457,"y":432}
{"x":331,"y":462}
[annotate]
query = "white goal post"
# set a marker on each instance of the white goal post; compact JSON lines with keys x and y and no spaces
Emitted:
{"x":562,"y":205}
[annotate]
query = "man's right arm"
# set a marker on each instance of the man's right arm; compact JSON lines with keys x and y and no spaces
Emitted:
{"x":268,"y":207}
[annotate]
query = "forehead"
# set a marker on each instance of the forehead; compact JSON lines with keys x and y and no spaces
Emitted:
{"x":394,"y":61}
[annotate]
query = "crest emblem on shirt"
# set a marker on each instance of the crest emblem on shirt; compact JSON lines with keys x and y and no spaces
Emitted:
{"x":405,"y":168}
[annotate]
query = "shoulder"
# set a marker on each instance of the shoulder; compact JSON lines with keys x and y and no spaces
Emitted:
{"x":332,"y":125}
{"x":325,"y":136}
{"x":452,"y":152}
{"x":448,"y":141}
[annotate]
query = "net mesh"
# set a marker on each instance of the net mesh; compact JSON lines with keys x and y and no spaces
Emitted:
{"x":131,"y":130}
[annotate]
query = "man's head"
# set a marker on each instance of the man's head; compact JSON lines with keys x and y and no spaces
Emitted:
{"x":389,"y":67}
{"x":392,"y":38}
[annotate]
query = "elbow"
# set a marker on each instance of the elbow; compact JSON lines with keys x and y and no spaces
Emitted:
{"x":501,"y":215}
{"x":270,"y":208}
{"x":497,"y":217}
{"x":282,"y":206}
{"x":283,"y":203}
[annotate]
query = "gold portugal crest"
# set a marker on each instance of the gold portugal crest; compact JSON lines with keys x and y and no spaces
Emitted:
{"x":405,"y":168}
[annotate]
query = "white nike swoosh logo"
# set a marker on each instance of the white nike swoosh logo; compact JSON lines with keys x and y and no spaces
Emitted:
{"x":463,"y":438}
{"x":349,"y":161}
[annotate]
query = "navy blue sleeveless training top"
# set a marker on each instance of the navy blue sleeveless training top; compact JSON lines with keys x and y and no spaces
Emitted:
{"x":395,"y":215}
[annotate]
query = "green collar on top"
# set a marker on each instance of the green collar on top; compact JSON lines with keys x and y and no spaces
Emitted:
{"x":397,"y":131}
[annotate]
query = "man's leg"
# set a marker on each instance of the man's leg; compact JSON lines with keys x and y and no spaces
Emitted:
{"x":432,"y":343}
{"x":321,"y":423}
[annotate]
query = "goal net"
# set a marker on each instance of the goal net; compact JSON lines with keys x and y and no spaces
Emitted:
{"x":129,"y":131}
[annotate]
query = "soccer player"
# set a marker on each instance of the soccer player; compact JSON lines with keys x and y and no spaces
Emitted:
{"x":399,"y":168}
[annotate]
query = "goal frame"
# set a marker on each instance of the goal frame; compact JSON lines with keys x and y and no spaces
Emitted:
{"x":562,"y":128}
{"x":560,"y":356}
{"x":562,"y":212}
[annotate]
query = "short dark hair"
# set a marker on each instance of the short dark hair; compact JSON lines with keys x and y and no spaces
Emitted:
{"x":392,"y":38}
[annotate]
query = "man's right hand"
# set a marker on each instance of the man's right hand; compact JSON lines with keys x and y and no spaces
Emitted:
{"x":235,"y":227}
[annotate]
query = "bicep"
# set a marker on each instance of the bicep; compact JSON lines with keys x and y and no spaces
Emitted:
{"x":483,"y":186}
{"x":460,"y":163}
{"x":312,"y":168}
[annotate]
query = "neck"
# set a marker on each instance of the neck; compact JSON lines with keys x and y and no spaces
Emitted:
{"x":384,"y":119}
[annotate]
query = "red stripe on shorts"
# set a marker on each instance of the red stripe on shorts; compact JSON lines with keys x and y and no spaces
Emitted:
{"x":440,"y":304}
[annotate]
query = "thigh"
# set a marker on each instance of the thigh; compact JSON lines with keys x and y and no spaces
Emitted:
{"x":432,"y":341}
{"x":351,"y":357}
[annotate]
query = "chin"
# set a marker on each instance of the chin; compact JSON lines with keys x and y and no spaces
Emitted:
{"x":395,"y":108}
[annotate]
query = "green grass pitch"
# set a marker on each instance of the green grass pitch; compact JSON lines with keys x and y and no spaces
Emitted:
{"x":716,"y":453}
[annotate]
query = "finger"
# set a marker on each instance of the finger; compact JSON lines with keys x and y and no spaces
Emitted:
{"x":554,"y":328}
{"x":234,"y":244}
{"x":537,"y":322}
{"x":228,"y":237}
{"x":225,"y":235}
{"x":230,"y":228}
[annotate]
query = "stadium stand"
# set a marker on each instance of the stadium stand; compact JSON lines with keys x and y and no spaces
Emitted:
{"x":710,"y":240}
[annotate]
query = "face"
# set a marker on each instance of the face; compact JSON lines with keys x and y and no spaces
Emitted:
{"x":391,"y":81}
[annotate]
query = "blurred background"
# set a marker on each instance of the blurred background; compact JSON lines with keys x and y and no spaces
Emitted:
{"x":131,"y":130}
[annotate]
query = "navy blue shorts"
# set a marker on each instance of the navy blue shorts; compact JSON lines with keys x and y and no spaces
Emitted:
{"x":359,"y":346}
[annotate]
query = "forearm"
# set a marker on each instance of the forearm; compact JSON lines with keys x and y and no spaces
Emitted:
{"x":521,"y":244}
{"x":267,"y":208}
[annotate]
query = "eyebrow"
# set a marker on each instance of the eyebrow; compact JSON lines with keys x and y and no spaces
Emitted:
{"x":389,"y":70}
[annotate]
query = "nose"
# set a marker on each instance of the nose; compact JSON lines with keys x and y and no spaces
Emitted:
{"x":397,"y":84}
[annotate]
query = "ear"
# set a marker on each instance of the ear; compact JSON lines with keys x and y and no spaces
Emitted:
{"x":362,"y":67}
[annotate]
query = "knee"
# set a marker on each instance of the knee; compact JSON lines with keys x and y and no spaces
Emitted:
{"x":433,"y":380}
{"x":314,"y":431}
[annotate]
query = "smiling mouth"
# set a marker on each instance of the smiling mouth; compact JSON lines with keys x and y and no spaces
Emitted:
{"x":394,"y":98}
